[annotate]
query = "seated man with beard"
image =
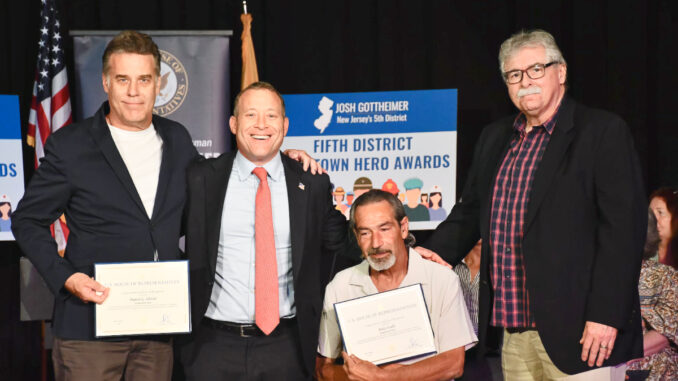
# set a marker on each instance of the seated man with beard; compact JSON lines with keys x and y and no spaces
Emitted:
{"x":379,"y":222}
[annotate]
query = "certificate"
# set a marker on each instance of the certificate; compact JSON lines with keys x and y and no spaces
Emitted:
{"x":390,"y":326}
{"x":145,"y":298}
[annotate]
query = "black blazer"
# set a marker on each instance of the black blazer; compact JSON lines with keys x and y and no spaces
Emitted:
{"x":583,"y":234}
{"x":83,"y":175}
{"x":318,"y":233}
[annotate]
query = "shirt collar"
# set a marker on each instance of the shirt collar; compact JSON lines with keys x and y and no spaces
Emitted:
{"x":521,"y":121}
{"x":245,"y":167}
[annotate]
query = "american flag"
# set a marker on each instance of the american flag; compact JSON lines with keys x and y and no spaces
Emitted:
{"x":51,"y":102}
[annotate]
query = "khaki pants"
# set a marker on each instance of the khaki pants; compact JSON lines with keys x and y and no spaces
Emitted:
{"x":523,"y":358}
{"x":98,"y":360}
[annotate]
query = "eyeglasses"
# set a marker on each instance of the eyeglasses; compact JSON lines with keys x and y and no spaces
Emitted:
{"x":535,"y":71}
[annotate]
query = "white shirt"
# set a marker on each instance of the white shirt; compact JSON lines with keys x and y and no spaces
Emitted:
{"x":142,"y":153}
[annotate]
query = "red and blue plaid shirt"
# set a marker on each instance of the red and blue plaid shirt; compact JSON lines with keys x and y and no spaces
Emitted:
{"x":511,"y":306}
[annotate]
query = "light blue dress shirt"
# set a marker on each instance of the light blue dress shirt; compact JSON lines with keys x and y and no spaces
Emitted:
{"x":233,"y":291}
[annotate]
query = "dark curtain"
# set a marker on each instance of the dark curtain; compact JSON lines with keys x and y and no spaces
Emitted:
{"x":621,"y":56}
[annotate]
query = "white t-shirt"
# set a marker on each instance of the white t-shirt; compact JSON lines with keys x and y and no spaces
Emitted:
{"x":142,"y":153}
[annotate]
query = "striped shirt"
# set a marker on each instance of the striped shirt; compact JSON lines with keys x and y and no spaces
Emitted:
{"x":510,"y":197}
{"x":470,"y":289}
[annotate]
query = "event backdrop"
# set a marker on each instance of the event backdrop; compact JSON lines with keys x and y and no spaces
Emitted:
{"x":404,"y":142}
{"x":194,"y":82}
{"x":11,"y":163}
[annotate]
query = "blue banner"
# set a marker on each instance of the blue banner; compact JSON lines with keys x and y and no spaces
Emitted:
{"x":404,"y":142}
{"x":372,"y":113}
{"x":11,"y":163}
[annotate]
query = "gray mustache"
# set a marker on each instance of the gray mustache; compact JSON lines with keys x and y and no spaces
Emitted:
{"x":528,"y":91}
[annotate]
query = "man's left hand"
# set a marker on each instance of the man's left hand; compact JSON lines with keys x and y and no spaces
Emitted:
{"x":431,"y":256}
{"x":360,"y":370}
{"x":306,"y":160}
{"x":598,"y":341}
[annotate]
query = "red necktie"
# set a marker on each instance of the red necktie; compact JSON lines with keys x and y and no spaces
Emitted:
{"x":266,"y":313}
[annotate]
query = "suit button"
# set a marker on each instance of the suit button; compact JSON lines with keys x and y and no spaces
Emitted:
{"x":210,"y":283}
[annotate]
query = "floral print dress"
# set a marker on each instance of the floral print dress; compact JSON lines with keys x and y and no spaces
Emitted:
{"x":658,"y":289}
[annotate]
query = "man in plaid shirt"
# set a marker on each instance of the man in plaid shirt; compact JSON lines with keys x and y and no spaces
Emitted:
{"x":555,"y":194}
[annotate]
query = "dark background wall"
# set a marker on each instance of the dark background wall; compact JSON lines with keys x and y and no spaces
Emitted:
{"x":622,"y":56}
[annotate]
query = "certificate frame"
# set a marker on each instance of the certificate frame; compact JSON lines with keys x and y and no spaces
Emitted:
{"x":383,"y":335}
{"x":138,"y":291}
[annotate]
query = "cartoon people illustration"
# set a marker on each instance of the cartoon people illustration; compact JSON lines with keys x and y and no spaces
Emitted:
{"x":391,"y":187}
{"x":361,"y":185}
{"x":424,"y":200}
{"x":414,"y":210}
{"x":436,"y":210}
{"x":349,"y":199}
{"x":5,"y":212}
{"x":339,"y":194}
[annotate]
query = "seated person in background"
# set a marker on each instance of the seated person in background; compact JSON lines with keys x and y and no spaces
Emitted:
{"x":468,"y":272}
{"x":658,"y":289}
{"x":664,"y":205}
{"x":378,"y":219}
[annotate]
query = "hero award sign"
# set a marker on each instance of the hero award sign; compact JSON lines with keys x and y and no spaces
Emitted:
{"x":11,"y":163}
{"x":403,"y":142}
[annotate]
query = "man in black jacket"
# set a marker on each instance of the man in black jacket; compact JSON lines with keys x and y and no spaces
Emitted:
{"x":555,"y":194}
{"x":119,"y":177}
{"x":261,"y":238}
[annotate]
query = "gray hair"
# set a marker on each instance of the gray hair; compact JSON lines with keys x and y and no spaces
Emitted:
{"x":378,"y":195}
{"x":530,"y":38}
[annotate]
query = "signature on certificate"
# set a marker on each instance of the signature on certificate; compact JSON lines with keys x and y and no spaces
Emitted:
{"x":166,"y":319}
{"x":415,"y":343}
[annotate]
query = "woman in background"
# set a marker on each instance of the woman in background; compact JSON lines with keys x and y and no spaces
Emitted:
{"x":664,"y":205}
{"x":658,"y":290}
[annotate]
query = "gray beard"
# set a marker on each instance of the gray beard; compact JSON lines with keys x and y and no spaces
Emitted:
{"x":381,"y":264}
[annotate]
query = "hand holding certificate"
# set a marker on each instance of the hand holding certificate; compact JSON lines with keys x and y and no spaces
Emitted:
{"x":144,"y":298}
{"x":387,"y":327}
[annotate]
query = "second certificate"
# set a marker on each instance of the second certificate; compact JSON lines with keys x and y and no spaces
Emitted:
{"x":387,"y":327}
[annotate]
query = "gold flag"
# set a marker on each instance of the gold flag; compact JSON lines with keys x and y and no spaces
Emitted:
{"x":249,"y":60}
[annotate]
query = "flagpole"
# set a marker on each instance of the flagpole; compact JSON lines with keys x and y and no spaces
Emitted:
{"x":249,"y":61}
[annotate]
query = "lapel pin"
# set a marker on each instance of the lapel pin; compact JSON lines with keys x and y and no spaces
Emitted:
{"x":302,"y":186}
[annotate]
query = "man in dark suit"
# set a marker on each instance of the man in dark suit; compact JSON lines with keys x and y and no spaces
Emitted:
{"x":261,"y":237}
{"x":555,"y":194}
{"x":119,"y":177}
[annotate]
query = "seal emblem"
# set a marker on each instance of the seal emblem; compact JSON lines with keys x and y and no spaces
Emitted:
{"x":173,"y":85}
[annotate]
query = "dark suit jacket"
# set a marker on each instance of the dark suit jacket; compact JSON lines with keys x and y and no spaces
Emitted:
{"x":83,"y":175}
{"x":583,"y":234}
{"x":318,"y":232}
